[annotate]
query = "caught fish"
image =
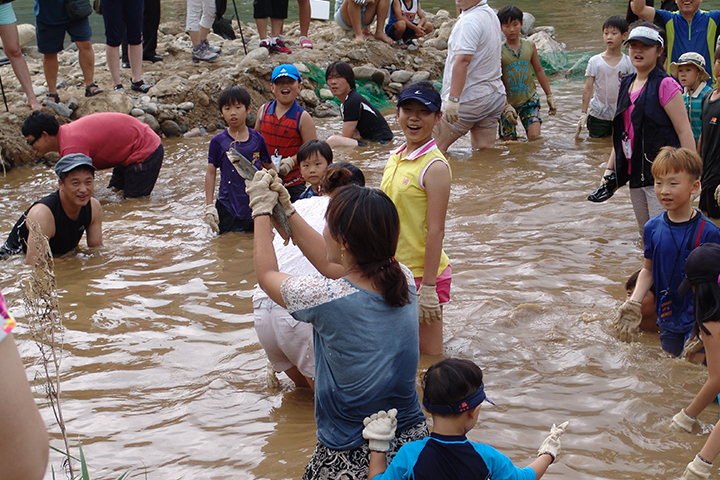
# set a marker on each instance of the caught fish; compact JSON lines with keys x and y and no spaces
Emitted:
{"x":247,"y":170}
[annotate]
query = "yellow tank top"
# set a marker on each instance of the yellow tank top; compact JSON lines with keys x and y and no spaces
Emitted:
{"x":401,"y":182}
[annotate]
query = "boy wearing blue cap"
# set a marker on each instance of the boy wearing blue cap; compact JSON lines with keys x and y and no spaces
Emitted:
{"x":63,"y":215}
{"x":453,"y":393}
{"x":286,"y":126}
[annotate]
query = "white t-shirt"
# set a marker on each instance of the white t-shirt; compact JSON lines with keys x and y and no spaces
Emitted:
{"x":477,"y":32}
{"x":606,"y":86}
{"x":290,"y":258}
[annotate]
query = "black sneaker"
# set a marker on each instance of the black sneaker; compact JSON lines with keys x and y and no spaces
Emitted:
{"x":140,"y":86}
{"x":119,"y":88}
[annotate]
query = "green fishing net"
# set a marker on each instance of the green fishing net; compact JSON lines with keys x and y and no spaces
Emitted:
{"x":367,"y":88}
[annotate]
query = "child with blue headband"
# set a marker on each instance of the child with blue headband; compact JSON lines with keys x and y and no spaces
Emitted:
{"x":454,"y":391}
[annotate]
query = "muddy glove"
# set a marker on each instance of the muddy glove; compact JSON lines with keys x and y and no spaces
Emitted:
{"x":582,"y":123}
{"x":551,"y":444}
{"x":551,"y":104}
{"x":627,"y":321}
{"x":380,"y":430}
{"x":698,"y":469}
{"x":286,"y":164}
{"x":510,"y":114}
{"x":283,"y":196}
{"x":452,"y":112}
{"x":693,"y":345}
{"x":683,"y":421}
{"x":262,"y":199}
{"x":211,"y":217}
{"x":428,"y":304}
{"x":717,"y":195}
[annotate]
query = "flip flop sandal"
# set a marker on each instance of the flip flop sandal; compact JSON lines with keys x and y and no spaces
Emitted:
{"x":92,"y":90}
{"x":53,"y":97}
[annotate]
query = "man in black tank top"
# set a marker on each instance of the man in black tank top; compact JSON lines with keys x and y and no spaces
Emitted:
{"x":63,"y":215}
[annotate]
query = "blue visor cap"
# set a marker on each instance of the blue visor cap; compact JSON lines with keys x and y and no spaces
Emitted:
{"x":429,"y":98}
{"x":467,"y":403}
{"x":285,"y":70}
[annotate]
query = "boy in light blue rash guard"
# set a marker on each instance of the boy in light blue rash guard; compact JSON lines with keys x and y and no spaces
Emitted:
{"x":454,"y":391}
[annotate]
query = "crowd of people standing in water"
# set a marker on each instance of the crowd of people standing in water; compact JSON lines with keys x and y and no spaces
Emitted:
{"x":348,"y":307}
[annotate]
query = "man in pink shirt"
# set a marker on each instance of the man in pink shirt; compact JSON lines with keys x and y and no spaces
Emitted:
{"x":113,"y":140}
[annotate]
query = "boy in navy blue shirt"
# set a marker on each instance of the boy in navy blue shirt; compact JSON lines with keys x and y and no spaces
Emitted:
{"x":669,"y":238}
{"x":453,"y":394}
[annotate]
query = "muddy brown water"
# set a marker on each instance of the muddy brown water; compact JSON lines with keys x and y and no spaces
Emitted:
{"x":163,"y":374}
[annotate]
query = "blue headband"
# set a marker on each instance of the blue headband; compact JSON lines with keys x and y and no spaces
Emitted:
{"x":467,"y":403}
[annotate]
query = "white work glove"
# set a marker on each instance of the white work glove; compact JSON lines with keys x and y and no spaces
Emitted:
{"x":627,"y":321}
{"x":683,"y":421}
{"x":262,"y":199}
{"x":717,"y":195}
{"x":452,"y":112}
{"x":286,"y":164}
{"x":582,"y":123}
{"x":698,"y":469}
{"x":551,"y":104}
{"x":380,"y":430}
{"x":211,"y":217}
{"x":551,"y":444}
{"x":693,"y":345}
{"x":428,"y":304}
{"x":283,"y":196}
{"x":510,"y":114}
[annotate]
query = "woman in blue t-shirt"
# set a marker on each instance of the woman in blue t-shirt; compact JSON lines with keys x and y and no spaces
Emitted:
{"x":364,"y":318}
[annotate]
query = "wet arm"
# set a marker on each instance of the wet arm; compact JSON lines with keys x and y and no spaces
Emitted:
{"x":675,"y":109}
{"x":459,"y":74}
{"x":210,"y":175}
{"x":94,"y":231}
{"x":587,"y":93}
{"x":378,"y":464}
{"x":266,"y":266}
{"x":642,"y":10}
{"x":24,"y":441}
{"x":349,"y":129}
{"x":611,"y":161}
{"x":711,"y":388}
{"x":42,"y":215}
{"x":539,"y":71}
{"x":437,"y":189}
{"x":644,"y":282}
{"x":313,"y":247}
{"x":541,"y":464}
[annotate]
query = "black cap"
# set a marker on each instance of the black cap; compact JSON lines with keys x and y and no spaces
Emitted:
{"x":701,"y":266}
{"x":429,"y":98}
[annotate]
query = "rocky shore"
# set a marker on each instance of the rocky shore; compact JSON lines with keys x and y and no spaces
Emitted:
{"x":182,"y":100}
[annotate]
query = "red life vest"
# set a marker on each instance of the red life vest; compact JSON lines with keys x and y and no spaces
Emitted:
{"x":282,"y":136}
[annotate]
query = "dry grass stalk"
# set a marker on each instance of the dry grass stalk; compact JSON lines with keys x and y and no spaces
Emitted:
{"x":41,"y":303}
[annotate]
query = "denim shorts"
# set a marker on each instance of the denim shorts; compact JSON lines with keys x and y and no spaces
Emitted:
{"x":51,"y":38}
{"x":340,"y":20}
{"x":7,"y":14}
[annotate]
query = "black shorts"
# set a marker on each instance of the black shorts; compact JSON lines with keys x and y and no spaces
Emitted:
{"x":138,"y":179}
{"x":270,"y":8}
{"x":228,"y":223}
{"x":599,"y":128}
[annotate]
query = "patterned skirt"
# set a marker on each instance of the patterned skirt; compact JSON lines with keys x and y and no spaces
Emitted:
{"x":329,"y":464}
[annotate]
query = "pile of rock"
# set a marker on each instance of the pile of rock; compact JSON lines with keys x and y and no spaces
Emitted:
{"x":183,"y":98}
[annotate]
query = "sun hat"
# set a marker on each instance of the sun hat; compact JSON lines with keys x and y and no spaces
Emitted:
{"x":690,"y":58}
{"x":646,"y":35}
{"x":701,"y":266}
{"x":428,"y":97}
{"x":285,"y":70}
{"x":467,"y":403}
{"x":73,"y":161}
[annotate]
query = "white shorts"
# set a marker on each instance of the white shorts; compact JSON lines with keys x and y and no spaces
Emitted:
{"x":480,"y":114}
{"x":286,"y":341}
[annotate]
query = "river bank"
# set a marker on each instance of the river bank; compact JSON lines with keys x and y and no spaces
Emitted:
{"x":182,"y":100}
